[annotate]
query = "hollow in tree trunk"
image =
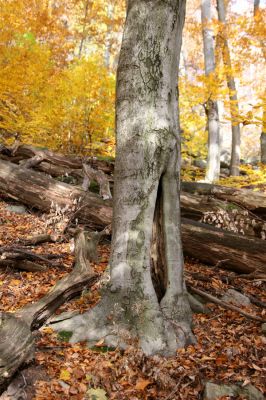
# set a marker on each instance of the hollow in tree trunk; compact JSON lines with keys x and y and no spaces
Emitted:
{"x":146,"y":177}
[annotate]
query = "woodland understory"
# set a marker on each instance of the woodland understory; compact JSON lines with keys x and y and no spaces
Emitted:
{"x":230,"y":342}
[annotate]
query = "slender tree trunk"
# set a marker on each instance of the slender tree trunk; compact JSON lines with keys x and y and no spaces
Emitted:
{"x":234,"y":108}
{"x":83,"y":35}
{"x":263,"y":132}
{"x":263,"y":137}
{"x":147,"y":158}
{"x":256,"y":6}
{"x":107,"y":53}
{"x":211,"y":108}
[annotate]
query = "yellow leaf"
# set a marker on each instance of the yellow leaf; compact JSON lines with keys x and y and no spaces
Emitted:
{"x":15,"y":282}
{"x":47,"y":329}
{"x":64,"y":375}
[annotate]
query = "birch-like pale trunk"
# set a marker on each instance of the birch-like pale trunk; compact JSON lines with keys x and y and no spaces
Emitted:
{"x":263,"y":131}
{"x":234,"y":107}
{"x":146,"y":192}
{"x":211,"y":107}
{"x":256,"y":7}
{"x":263,"y":138}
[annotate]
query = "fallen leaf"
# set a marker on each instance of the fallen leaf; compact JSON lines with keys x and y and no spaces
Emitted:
{"x":64,"y":375}
{"x":142,"y":384}
{"x":96,"y":394}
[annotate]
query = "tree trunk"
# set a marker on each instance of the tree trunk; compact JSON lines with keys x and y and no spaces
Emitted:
{"x":211,"y":108}
{"x":263,"y":137}
{"x":256,"y":6}
{"x":234,"y":108}
{"x":224,"y":249}
{"x":257,"y":17}
{"x":147,"y":156}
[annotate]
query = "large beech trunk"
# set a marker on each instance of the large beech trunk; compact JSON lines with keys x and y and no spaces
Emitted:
{"x":16,"y":340}
{"x":147,"y":157}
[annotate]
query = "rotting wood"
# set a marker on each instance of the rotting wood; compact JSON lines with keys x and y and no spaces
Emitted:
{"x":40,"y":191}
{"x":250,"y":200}
{"x":218,"y":247}
{"x":16,"y":340}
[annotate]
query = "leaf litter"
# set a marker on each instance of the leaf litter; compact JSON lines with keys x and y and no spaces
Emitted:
{"x":230,"y":348}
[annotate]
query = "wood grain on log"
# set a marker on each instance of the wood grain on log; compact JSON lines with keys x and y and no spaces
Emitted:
{"x":253,"y":201}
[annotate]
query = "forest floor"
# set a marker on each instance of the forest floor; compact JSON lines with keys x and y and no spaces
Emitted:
{"x":229,"y":349}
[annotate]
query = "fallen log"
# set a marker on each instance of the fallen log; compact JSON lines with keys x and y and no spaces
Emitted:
{"x":24,"y":265}
{"x":224,"y":249}
{"x":248,"y":199}
{"x":23,"y":153}
{"x":41,"y":191}
{"x":208,"y":244}
{"x":16,"y":340}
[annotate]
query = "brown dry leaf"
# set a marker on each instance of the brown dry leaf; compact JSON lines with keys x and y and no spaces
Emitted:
{"x":100,"y":343}
{"x":142,"y":384}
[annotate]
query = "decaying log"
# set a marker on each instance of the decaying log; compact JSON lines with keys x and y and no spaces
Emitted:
{"x":16,"y":340}
{"x":24,"y":265}
{"x":250,"y":200}
{"x":223,"y":304}
{"x":17,"y":254}
{"x":224,"y":249}
{"x":38,"y":239}
{"x":40,"y":191}
{"x":91,"y":174}
{"x":208,"y":244}
{"x":21,"y":152}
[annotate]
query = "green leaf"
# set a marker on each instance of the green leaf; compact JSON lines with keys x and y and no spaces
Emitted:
{"x":64,"y":336}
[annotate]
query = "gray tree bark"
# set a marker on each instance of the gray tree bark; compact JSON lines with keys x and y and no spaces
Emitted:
{"x":146,"y":175}
{"x":263,"y":137}
{"x":263,"y":132}
{"x":211,"y":107}
{"x":234,"y":108}
{"x":256,"y":6}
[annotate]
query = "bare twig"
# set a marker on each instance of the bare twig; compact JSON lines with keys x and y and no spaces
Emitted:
{"x":223,"y":304}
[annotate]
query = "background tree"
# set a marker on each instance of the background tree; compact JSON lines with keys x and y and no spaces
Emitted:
{"x":234,"y":108}
{"x":211,"y":107}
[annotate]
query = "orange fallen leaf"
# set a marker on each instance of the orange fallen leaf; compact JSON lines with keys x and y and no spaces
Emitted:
{"x":142,"y":384}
